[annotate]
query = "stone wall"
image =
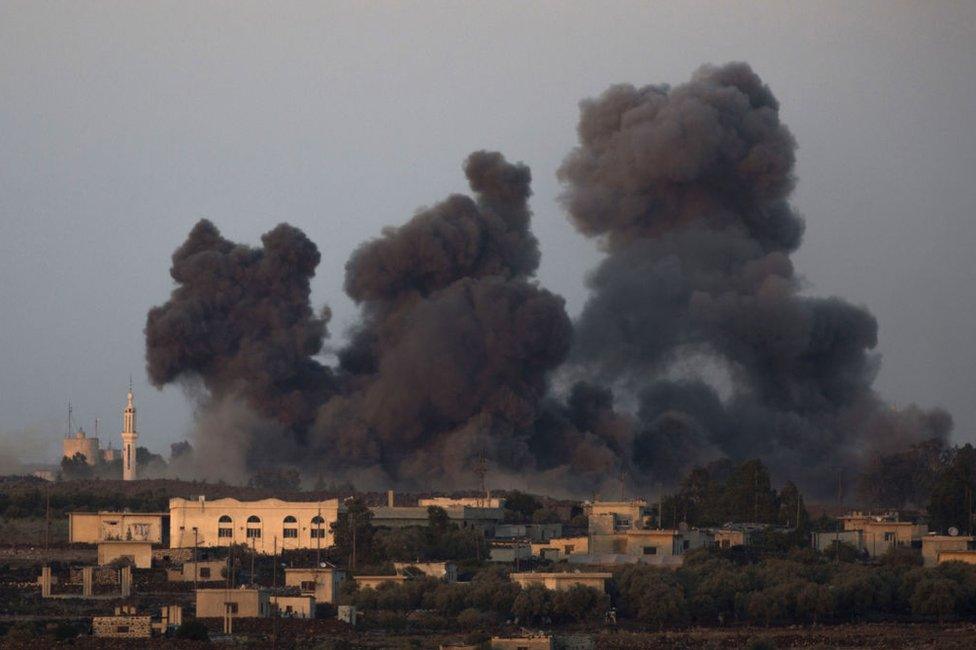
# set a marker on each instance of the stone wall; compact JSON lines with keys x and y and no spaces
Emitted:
{"x":128,"y":627}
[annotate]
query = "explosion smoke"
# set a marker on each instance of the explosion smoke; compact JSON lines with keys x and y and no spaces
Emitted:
{"x":687,"y":189}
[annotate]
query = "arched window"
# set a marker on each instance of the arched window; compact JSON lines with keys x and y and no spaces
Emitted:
{"x":225,"y":527}
{"x":317,"y":531}
{"x":291,"y":528}
{"x":253,"y":527}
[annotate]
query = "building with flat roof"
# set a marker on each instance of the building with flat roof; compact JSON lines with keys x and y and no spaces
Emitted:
{"x":138,"y":554}
{"x":239,"y":603}
{"x":458,"y":512}
{"x":446,"y":571}
{"x":294,"y":606}
{"x":95,"y":527}
{"x":198,"y":571}
{"x":263,"y":525}
{"x":933,"y":546}
{"x":562,"y":581}
{"x":320,"y":582}
{"x":471,"y":502}
{"x":965,"y":556}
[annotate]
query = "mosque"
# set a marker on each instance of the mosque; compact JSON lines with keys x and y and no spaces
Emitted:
{"x":79,"y":443}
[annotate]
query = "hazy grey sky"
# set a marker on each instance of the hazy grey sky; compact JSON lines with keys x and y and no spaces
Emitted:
{"x":121,"y":124}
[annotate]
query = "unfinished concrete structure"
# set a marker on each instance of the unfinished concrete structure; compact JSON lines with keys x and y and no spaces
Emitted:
{"x":320,"y":582}
{"x":199,"y":571}
{"x":239,"y":603}
{"x":934,"y":546}
{"x":262,"y":525}
{"x":560,"y":548}
{"x":446,"y":571}
{"x":294,"y":606}
{"x":139,"y":554}
{"x":563,"y":581}
{"x":95,"y":527}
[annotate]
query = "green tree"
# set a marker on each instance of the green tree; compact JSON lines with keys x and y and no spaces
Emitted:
{"x":353,"y":533}
{"x":533,"y":605}
{"x":938,"y":597}
{"x":952,"y":501}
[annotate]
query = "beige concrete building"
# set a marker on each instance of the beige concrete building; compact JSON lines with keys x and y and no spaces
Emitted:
{"x":139,"y":554}
{"x":934,"y":545}
{"x":89,"y":447}
{"x":294,"y":606}
{"x":468,"y":502}
{"x":967,"y":556}
{"x":239,"y":603}
{"x":647,"y":541}
{"x":876,"y":533}
{"x":263,"y":525}
{"x":199,"y":571}
{"x":464,"y":516}
{"x":609,"y":516}
{"x":95,"y":527}
{"x":446,"y":571}
{"x":320,"y":582}
{"x":543,"y":642}
{"x":560,"y":548}
{"x":122,"y":627}
{"x":562,"y":581}
{"x":372,"y":582}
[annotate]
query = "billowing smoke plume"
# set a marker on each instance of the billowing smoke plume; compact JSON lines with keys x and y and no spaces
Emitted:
{"x":240,"y":320}
{"x":687,"y":188}
{"x":696,"y":342}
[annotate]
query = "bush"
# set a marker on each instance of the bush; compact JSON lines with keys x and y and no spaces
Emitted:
{"x":193,"y":630}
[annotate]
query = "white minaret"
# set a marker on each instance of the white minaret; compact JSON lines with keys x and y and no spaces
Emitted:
{"x":129,"y":437}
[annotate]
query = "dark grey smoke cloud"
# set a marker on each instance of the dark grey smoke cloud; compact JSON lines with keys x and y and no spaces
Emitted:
{"x":687,"y":188}
{"x":240,"y":320}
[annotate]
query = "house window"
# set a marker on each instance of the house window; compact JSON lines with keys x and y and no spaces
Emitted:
{"x":291,"y":532}
{"x":685,"y":544}
{"x":231,"y":608}
{"x":205,"y":572}
{"x":225,"y":532}
{"x":122,"y":629}
{"x":318,"y":533}
{"x":254,"y":533}
{"x":568,"y":549}
{"x":650,"y":550}
{"x":308,"y":585}
{"x":889,"y":537}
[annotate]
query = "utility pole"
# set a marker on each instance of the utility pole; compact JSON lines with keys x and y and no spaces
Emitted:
{"x":274,"y":590}
{"x":196,"y":569}
{"x":352,"y":560}
{"x":253,"y":551}
{"x":318,"y":538}
{"x":47,"y":520}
